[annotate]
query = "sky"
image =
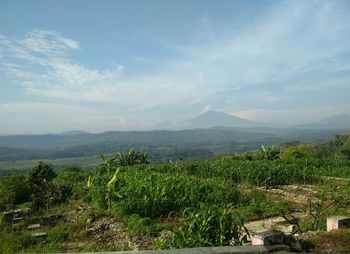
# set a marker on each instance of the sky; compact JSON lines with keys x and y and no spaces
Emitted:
{"x":131,"y":64}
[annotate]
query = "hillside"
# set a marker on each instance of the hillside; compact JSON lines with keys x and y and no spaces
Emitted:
{"x":127,"y":203}
{"x":161,"y":145}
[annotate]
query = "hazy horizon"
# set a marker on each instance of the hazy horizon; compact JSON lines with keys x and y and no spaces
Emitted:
{"x":128,"y":65}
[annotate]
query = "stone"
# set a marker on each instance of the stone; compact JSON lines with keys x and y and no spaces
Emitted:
{"x":16,"y":220}
{"x":268,"y":238}
{"x":336,"y":222}
{"x":33,"y":226}
{"x":285,"y":228}
{"x":10,"y":215}
{"x":39,"y":234}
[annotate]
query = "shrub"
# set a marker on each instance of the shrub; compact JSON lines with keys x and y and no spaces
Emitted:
{"x":14,"y":190}
{"x":40,"y":180}
{"x":139,"y":225}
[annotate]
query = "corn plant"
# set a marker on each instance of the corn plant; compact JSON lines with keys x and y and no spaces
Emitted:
{"x":209,"y":226}
{"x":154,"y":194}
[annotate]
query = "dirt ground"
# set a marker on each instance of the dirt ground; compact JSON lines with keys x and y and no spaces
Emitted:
{"x":336,"y":241}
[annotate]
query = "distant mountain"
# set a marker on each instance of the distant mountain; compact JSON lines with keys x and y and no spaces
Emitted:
{"x":160,"y":145}
{"x":73,"y":132}
{"x":338,"y":119}
{"x":166,"y":125}
{"x":212,"y":118}
{"x":341,"y":121}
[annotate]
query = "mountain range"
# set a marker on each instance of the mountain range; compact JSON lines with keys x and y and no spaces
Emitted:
{"x":211,"y":118}
{"x":341,"y":121}
{"x":209,"y":134}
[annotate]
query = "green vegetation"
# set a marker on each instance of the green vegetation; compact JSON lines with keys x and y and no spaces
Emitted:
{"x":208,"y":226}
{"x":20,"y":151}
{"x":24,"y":166}
{"x":164,"y":204}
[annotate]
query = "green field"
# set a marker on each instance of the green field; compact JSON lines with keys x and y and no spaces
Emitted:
{"x":124,"y":202}
{"x":24,"y":166}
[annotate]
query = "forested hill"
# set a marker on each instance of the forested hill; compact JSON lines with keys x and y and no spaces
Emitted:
{"x":161,"y":145}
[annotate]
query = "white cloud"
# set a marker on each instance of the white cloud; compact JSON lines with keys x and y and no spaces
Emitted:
{"x":35,"y":117}
{"x":294,"y":46}
{"x":47,"y":42}
{"x":46,"y":70}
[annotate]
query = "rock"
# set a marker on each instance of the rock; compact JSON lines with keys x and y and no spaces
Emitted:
{"x":285,"y":228}
{"x":17,"y":220}
{"x":268,"y":238}
{"x":33,"y":226}
{"x":296,"y":246}
{"x":17,"y":213}
{"x":53,"y":219}
{"x":39,"y":235}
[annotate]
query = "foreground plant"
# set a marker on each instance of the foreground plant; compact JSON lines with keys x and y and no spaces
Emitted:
{"x":209,"y":226}
{"x":110,"y":186}
{"x":132,"y":157}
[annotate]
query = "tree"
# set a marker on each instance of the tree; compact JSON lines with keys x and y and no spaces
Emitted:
{"x":14,"y":190}
{"x":40,"y":180}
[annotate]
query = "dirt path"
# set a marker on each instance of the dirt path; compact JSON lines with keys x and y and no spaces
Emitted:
{"x":335,"y":180}
{"x":292,"y":193}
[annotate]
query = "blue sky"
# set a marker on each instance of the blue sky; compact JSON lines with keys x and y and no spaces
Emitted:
{"x":120,"y":65}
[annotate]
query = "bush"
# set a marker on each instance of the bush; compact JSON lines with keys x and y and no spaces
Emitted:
{"x":298,"y":152}
{"x":139,"y":225}
{"x":14,"y":190}
{"x":40,"y":180}
{"x":70,"y":182}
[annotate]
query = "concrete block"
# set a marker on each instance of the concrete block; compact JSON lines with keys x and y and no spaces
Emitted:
{"x":17,"y":220}
{"x":268,"y":238}
{"x":39,"y":234}
{"x":10,"y":215}
{"x":336,"y":222}
{"x":285,"y":228}
{"x":33,"y":226}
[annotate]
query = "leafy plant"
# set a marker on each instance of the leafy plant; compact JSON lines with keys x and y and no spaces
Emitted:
{"x":40,"y":180}
{"x":108,"y":163}
{"x":14,"y":190}
{"x":139,"y":225}
{"x":209,"y":226}
{"x":155,"y":194}
{"x":131,"y":158}
{"x":110,"y":186}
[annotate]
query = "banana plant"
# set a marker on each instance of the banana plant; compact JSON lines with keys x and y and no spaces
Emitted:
{"x":109,"y":162}
{"x":89,"y":183}
{"x":110,"y":186}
